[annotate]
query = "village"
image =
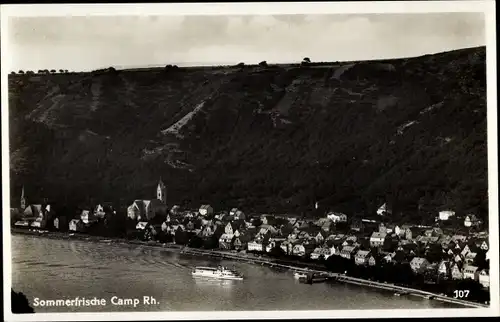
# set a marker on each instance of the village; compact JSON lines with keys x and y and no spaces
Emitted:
{"x":435,"y":254}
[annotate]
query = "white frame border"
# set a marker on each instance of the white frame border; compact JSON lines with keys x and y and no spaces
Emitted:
{"x":355,"y":7}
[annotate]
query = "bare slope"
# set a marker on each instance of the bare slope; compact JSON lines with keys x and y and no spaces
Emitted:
{"x":409,"y":131}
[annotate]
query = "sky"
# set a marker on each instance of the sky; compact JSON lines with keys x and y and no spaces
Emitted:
{"x":86,"y":43}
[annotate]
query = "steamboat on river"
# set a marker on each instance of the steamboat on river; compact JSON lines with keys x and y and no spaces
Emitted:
{"x":219,"y":272}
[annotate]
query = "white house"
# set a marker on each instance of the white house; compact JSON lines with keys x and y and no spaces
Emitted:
{"x":255,"y":246}
{"x":377,"y":239}
{"x":337,"y":217}
{"x":471,"y":272}
{"x":383,"y":210}
{"x":471,"y":221}
{"x":141,"y":225}
{"x":446,"y":215}
{"x":206,"y":210}
{"x":484,"y":278}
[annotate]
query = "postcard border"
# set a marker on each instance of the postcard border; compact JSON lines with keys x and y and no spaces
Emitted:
{"x":487,"y":7}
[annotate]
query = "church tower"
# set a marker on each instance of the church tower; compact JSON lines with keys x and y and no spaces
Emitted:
{"x":161,"y":192}
{"x":23,"y":200}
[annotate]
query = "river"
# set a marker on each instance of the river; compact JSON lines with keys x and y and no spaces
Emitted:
{"x":51,"y":269}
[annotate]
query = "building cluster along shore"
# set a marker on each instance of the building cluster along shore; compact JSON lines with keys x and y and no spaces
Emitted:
{"x":450,"y":257}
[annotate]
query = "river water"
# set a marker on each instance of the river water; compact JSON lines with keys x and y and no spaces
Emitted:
{"x":51,"y":269}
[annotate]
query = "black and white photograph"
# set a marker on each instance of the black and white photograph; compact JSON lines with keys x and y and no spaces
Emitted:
{"x":251,"y":160}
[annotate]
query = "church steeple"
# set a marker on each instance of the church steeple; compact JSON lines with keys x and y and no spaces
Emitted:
{"x":161,"y":192}
{"x":23,"y":200}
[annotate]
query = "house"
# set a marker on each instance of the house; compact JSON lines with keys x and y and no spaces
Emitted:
{"x":471,"y":272}
{"x":321,"y":251}
{"x":141,"y":225}
{"x":33,"y":211}
{"x":241,"y":242}
{"x":145,"y":210}
{"x":412,"y":233}
{"x":266,"y":229}
{"x":465,"y":250}
{"x":459,"y":238}
{"x":483,"y":244}
{"x":327,"y":226}
{"x":190,"y":226}
{"x":175,"y":210}
{"x":446,"y":215}
{"x":378,"y":239}
{"x":226,"y":241}
{"x":356,"y":225}
{"x":103,"y":208}
{"x":232,"y":212}
{"x":22,"y":223}
{"x":471,"y":221}
{"x":372,"y":261}
{"x":399,"y":231}
{"x":458,"y":258}
{"x":388,"y":229}
{"x":348,"y":252}
{"x":445,"y":240}
{"x":39,"y":222}
{"x":337,"y":217}
{"x":456,"y":272}
{"x":470,"y":257}
{"x":302,"y":249}
{"x":206,"y":210}
{"x":76,"y":225}
{"x":362,"y":257}
{"x":60,"y":223}
{"x":239,"y":215}
{"x":287,"y":247}
{"x":274,"y":242}
{"x":484,"y":278}
{"x":88,"y":217}
{"x":444,"y":269}
{"x":382,"y":228}
{"x":384,"y":210}
{"x":256,"y":245}
{"x":320,"y":237}
{"x":419,"y":264}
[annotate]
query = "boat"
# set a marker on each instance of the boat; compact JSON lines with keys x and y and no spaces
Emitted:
{"x":219,"y":272}
{"x":313,"y":278}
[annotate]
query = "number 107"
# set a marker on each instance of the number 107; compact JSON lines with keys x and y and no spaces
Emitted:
{"x":461,"y":293}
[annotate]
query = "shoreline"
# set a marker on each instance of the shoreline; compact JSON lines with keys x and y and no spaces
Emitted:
{"x":251,"y":259}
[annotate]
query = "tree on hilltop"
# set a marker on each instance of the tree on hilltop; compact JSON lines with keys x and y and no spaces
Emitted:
{"x":263,"y":63}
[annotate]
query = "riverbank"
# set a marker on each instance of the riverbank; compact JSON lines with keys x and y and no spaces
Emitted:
{"x":253,"y":259}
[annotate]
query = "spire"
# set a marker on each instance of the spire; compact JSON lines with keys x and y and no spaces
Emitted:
{"x":22,"y":193}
